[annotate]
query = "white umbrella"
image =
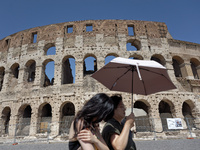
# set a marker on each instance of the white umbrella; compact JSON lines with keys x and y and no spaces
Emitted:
{"x":134,"y":76}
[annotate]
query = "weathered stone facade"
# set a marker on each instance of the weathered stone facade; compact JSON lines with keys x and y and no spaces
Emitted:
{"x":27,"y":94}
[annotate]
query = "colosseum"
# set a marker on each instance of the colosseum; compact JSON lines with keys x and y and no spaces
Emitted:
{"x":33,"y":104}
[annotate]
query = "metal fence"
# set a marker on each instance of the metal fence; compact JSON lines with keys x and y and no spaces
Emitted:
{"x":144,"y":127}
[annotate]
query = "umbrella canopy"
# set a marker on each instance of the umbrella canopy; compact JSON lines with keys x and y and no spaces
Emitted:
{"x":134,"y":76}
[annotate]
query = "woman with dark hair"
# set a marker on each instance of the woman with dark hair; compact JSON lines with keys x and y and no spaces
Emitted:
{"x":117,"y":133}
{"x":84,"y":132}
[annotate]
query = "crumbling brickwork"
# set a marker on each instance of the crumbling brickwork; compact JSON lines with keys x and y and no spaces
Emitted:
{"x":26,"y":93}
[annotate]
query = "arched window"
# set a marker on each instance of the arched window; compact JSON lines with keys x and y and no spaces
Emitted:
{"x":15,"y":70}
{"x":67,"y":116}
{"x":45,"y":116}
{"x":31,"y":66}
{"x":90,"y":65}
{"x":68,"y":70}
{"x":138,"y":57}
{"x":48,"y":73}
{"x":49,"y":49}
{"x":142,"y":120}
{"x":109,"y":58}
{"x":176,"y":65}
{"x":24,"y":119}
{"x":187,"y":113}
{"x":159,"y":58}
{"x":133,"y":45}
{"x":2,"y":73}
{"x":130,"y":47}
{"x":165,"y":112}
{"x":5,"y":117}
{"x":195,"y":67}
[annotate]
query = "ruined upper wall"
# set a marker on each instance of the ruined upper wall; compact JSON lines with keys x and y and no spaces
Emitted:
{"x":106,"y":27}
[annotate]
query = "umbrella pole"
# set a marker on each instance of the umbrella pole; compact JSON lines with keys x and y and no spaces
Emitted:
{"x":132,"y":92}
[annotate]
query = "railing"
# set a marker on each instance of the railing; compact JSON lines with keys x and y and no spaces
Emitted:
{"x":145,"y":127}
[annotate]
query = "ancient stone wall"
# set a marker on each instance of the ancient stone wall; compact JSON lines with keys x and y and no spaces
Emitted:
{"x":27,"y":92}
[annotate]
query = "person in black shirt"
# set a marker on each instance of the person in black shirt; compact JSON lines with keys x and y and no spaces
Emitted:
{"x":115,"y":133}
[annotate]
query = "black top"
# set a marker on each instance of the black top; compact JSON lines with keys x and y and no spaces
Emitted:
{"x":74,"y":145}
{"x":114,"y":127}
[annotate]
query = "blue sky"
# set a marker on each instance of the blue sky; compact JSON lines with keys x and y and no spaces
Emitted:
{"x":182,"y":17}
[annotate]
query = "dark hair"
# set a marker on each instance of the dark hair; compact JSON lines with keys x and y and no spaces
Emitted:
{"x":98,"y":107}
{"x":116,"y":100}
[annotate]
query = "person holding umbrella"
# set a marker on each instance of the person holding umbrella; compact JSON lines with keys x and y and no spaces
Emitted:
{"x":84,"y":132}
{"x":116,"y":133}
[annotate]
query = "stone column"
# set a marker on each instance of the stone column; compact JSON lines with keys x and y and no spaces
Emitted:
{"x":12,"y":124}
{"x":39,"y":77}
{"x":58,"y":62}
{"x":34,"y":122}
{"x":21,"y":78}
{"x":57,"y":73}
{"x":186,"y":70}
{"x":55,"y":124}
{"x":7,"y":77}
{"x":198,"y":71}
{"x":79,"y":71}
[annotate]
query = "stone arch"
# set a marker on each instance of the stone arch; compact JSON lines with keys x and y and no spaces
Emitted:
{"x":5,"y":119}
{"x":67,"y":113}
{"x":142,"y":107}
{"x":195,"y":65}
{"x":166,"y":110}
{"x":68,"y":70}
{"x":47,"y":71}
{"x":15,"y":70}
{"x":24,"y":119}
{"x":136,"y":56}
{"x":159,"y":58}
{"x":109,"y":57}
{"x":48,"y":47}
{"x":133,"y":45}
{"x":44,"y":117}
{"x":188,"y":111}
{"x":2,"y":73}
{"x":188,"y":108}
{"x":88,"y":59}
{"x":177,"y":65}
{"x":30,"y":70}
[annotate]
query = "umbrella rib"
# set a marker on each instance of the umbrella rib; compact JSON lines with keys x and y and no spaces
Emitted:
{"x":120,"y":77}
{"x":153,"y":72}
